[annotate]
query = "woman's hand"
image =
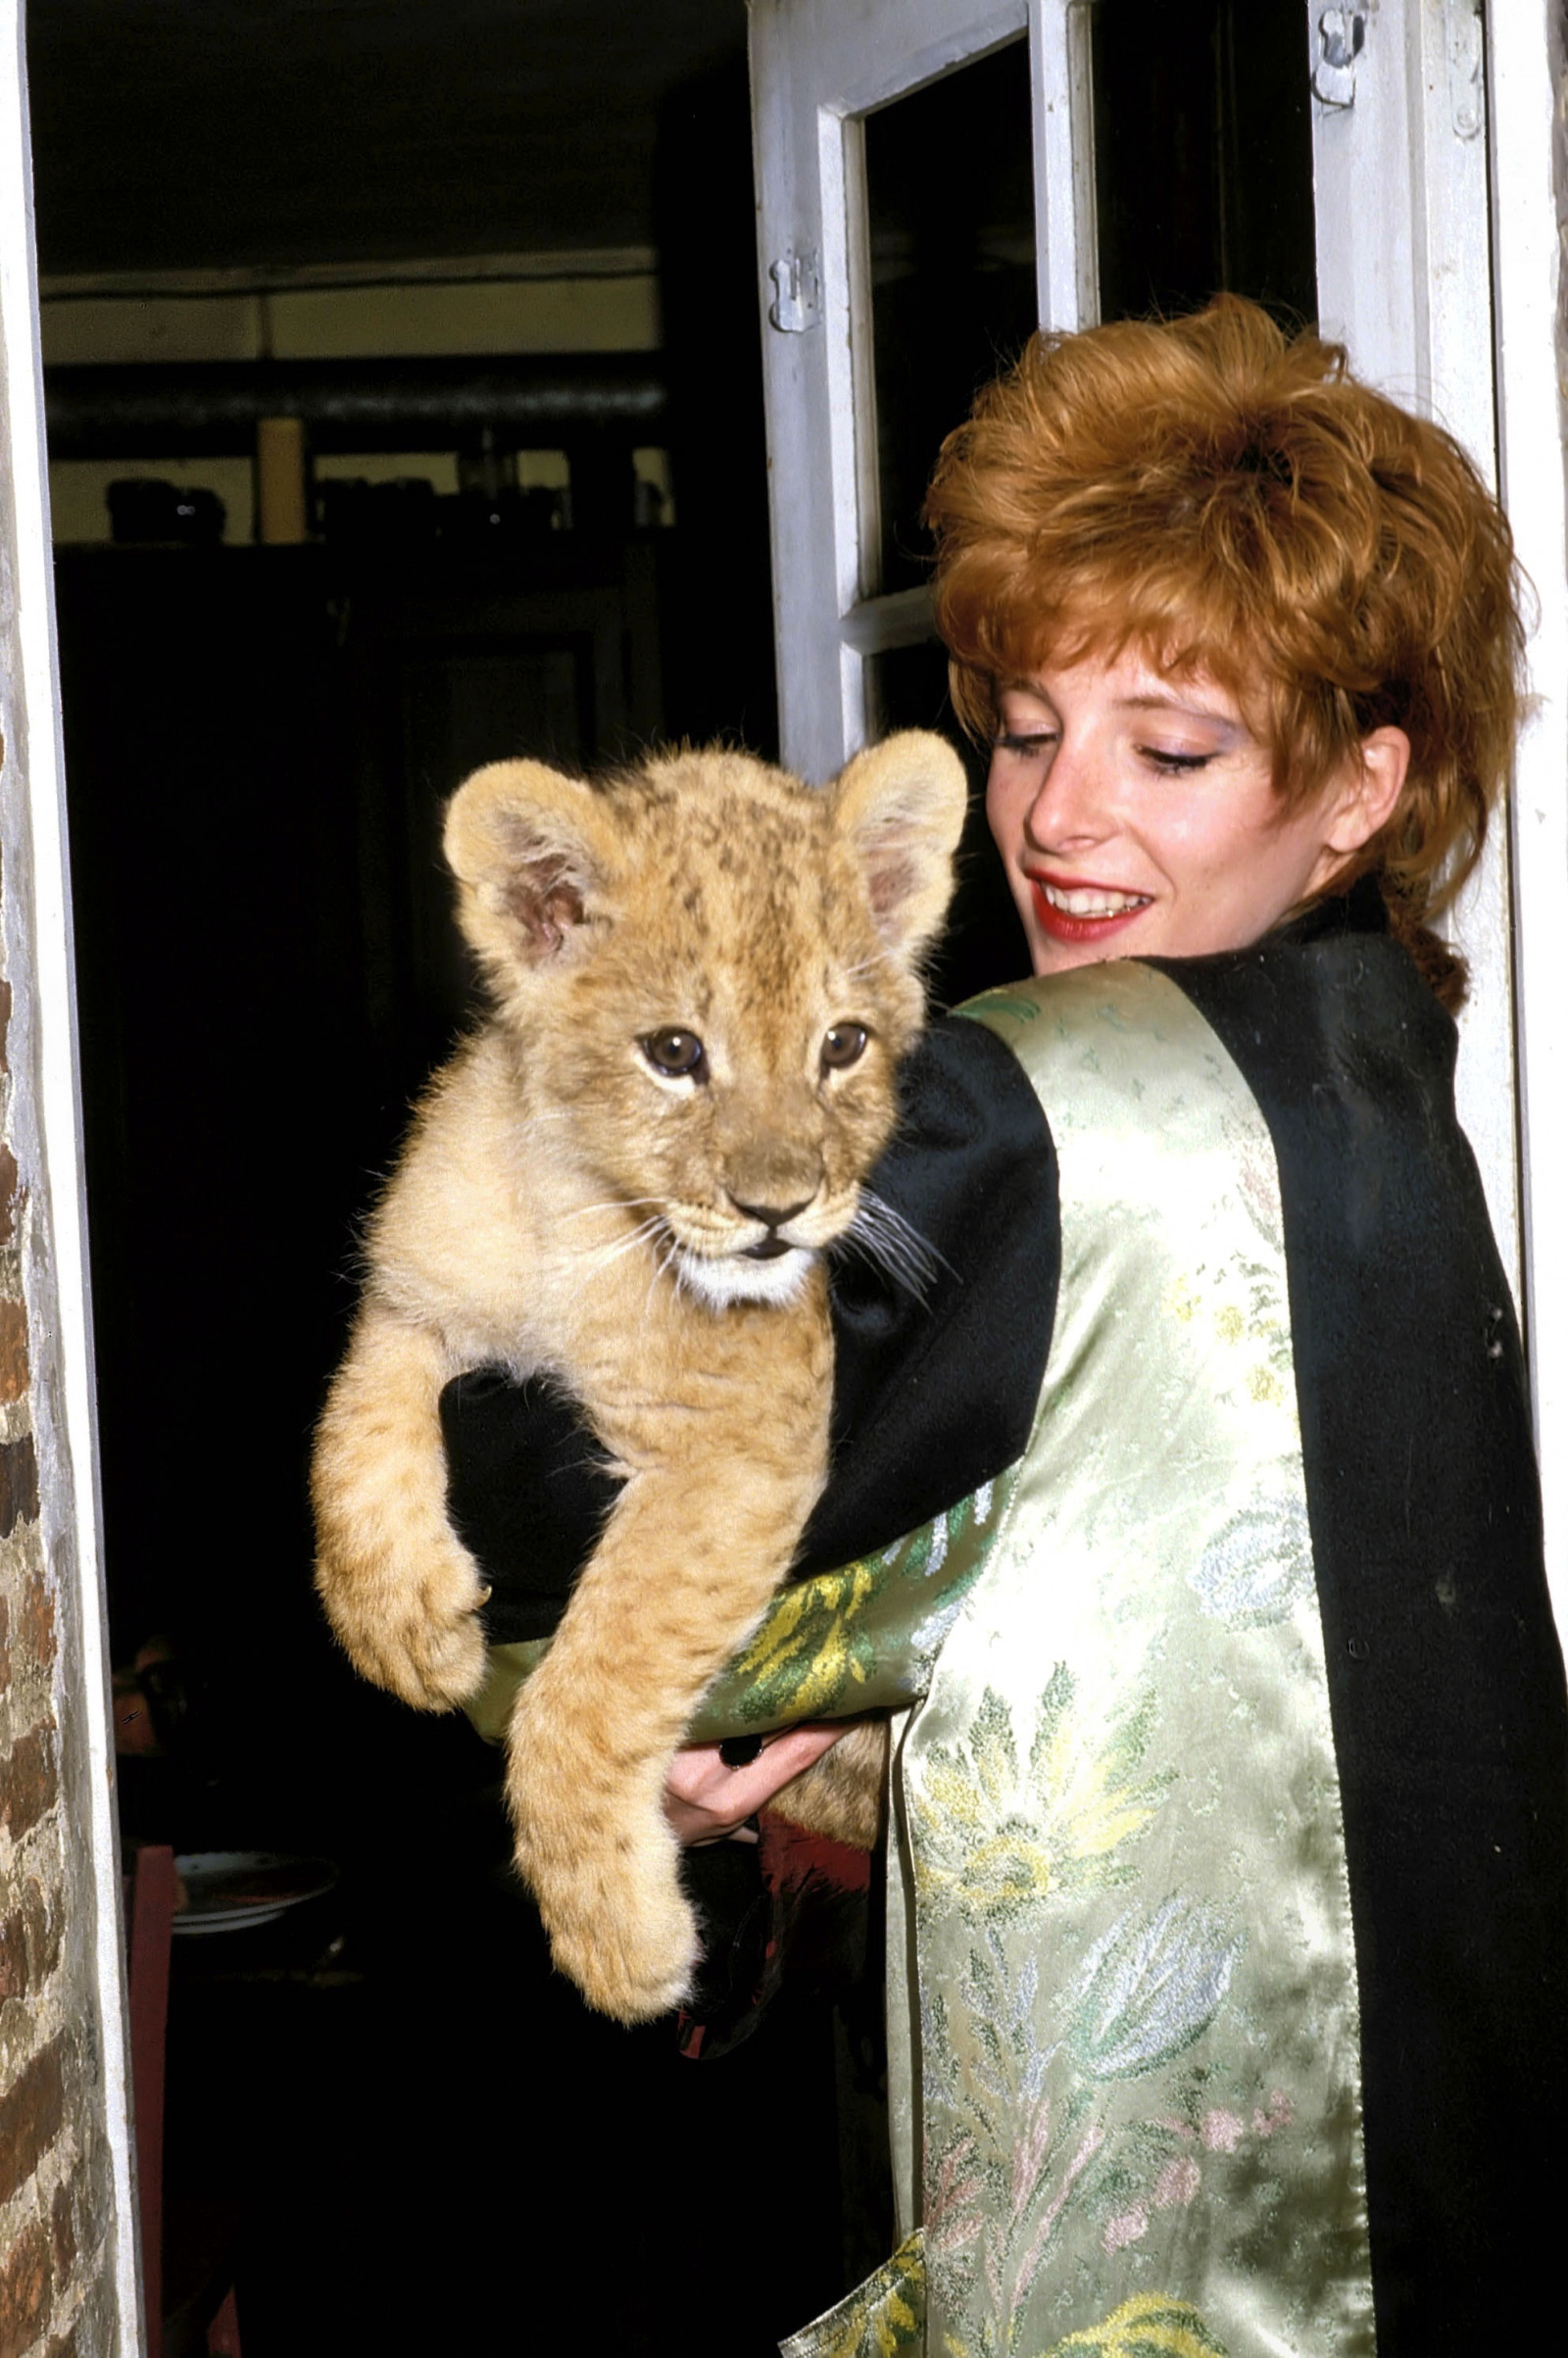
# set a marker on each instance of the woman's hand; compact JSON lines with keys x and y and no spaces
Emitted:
{"x":708,"y":1801}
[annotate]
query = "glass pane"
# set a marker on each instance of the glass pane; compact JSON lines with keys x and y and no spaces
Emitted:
{"x":984,"y":942}
{"x":1202,"y":156}
{"x":950,"y":192}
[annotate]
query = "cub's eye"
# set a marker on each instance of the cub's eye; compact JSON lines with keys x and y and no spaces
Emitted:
{"x":678,"y":1055}
{"x":844,"y":1044}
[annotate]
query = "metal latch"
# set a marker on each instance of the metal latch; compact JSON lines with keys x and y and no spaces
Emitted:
{"x":798,"y":303}
{"x":1341,"y":39}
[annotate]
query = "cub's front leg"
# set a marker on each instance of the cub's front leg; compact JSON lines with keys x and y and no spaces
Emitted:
{"x":401,"y":1590}
{"x":679,"y":1578}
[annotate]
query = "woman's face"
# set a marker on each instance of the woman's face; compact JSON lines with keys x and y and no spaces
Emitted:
{"x":1137,"y":815}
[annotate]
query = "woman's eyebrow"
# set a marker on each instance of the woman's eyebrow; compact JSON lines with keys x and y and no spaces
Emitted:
{"x":1177,"y":703}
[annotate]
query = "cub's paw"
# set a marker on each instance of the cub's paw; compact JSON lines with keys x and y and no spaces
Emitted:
{"x":634,"y":1954}
{"x":594,"y":1848}
{"x":413,"y":1629}
{"x":440,"y":1662}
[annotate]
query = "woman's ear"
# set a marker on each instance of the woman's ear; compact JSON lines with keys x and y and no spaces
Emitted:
{"x":1368,"y":794}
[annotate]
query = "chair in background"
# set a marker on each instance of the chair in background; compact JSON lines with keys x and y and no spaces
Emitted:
{"x":188,"y":2255}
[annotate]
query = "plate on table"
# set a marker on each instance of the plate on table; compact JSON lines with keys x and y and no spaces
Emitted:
{"x":232,"y":1890}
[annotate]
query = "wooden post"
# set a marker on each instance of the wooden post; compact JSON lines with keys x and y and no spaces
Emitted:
{"x":280,"y":508}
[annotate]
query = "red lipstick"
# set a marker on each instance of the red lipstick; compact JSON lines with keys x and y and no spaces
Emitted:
{"x":1073,"y":931}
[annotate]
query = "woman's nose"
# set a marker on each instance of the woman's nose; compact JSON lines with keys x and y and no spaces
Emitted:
{"x":1072,"y":805}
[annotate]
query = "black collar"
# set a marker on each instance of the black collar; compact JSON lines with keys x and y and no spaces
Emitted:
{"x":1360,"y":909}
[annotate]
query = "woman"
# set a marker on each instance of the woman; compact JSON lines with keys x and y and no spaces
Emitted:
{"x":1229,"y":1873}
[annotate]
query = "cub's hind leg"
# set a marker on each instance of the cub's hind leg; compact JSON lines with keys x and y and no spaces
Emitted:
{"x":842,"y":1794}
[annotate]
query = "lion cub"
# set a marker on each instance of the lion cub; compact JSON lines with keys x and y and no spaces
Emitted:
{"x":704,"y":976}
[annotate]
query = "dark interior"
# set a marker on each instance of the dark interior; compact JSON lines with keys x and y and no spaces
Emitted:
{"x":1202,"y":156}
{"x":435,"y":2147}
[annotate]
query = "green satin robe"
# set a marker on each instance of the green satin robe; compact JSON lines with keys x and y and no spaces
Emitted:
{"x":1124,"y":2050}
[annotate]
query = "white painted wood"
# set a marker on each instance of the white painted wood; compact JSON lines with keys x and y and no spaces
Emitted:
{"x":59,"y":1306}
{"x":1066,"y":247}
{"x":878,"y":624}
{"x":795,"y":366}
{"x":1526,"y":82}
{"x":1401,"y":186}
{"x":817,"y":67}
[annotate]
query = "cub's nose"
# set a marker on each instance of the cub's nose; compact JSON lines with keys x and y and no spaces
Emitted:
{"x":771,"y":1215}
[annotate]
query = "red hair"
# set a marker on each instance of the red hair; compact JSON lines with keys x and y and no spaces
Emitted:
{"x":1234,"y":503}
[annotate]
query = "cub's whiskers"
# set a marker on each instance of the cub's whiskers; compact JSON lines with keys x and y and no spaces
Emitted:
{"x":671,"y":1257}
{"x":603,"y":1256}
{"x":892,"y":1244}
{"x":580,"y":1212}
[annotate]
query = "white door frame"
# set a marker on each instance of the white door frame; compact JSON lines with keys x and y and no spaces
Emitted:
{"x":1402,"y":211}
{"x":1438,"y":265}
{"x":1526,"y":67}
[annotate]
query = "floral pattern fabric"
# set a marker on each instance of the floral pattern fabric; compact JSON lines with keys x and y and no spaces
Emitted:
{"x":860,"y":1638}
{"x":1123,"y":2010}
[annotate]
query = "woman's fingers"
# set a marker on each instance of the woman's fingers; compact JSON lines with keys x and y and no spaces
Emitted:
{"x":707,"y":1801}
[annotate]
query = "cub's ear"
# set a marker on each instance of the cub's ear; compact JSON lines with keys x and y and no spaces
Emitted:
{"x":530,"y":848}
{"x":900,"y":806}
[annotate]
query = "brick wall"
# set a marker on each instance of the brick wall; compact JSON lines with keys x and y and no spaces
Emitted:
{"x":57,"y":2292}
{"x":64,"y":2277}
{"x":55,"y":2265}
{"x":55,"y":2191}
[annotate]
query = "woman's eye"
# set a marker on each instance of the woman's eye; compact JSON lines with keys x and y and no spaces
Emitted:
{"x":1174,"y":765}
{"x":1027,"y":748}
{"x":843,"y":1044}
{"x":678,"y":1055}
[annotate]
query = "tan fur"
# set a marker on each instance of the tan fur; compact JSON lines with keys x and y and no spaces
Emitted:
{"x":562,"y":1206}
{"x":842,"y":1793}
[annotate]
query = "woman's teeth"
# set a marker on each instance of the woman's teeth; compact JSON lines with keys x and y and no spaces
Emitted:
{"x":1090,"y":902}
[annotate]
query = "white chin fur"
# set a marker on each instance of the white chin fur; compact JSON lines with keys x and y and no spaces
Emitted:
{"x":719,"y":1283}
